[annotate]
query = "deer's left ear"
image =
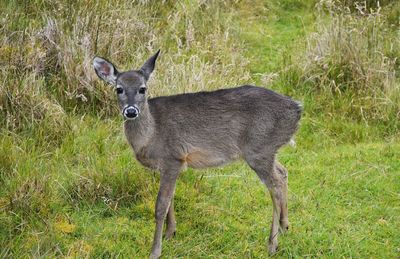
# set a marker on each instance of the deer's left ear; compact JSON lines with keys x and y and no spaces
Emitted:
{"x":105,"y":70}
{"x":149,"y":65}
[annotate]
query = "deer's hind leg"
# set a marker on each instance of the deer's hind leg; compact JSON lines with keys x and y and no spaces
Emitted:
{"x":171,"y":222}
{"x":269,"y":174}
{"x":283,"y":174}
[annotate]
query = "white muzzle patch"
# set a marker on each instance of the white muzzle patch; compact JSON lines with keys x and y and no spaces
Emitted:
{"x":131,"y":112}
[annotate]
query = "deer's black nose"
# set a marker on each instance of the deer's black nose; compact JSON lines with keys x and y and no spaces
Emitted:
{"x":131,"y":112}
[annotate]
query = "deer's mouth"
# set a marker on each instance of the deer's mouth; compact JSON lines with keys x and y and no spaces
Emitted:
{"x":130,"y":112}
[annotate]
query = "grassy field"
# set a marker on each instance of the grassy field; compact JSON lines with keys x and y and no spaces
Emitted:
{"x":70,"y":186}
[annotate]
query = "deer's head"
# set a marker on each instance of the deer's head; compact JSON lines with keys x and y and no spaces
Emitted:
{"x":130,"y":86}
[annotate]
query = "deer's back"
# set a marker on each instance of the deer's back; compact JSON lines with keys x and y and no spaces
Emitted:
{"x":210,"y":128}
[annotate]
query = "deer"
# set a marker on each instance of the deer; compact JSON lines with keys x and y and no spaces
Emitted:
{"x":201,"y":130}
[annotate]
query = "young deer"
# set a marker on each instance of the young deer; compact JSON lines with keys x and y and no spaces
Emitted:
{"x":204,"y":129}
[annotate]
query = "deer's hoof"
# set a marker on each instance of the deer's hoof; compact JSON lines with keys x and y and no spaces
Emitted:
{"x":170,"y":234}
{"x":155,"y":254}
{"x":273,"y":247}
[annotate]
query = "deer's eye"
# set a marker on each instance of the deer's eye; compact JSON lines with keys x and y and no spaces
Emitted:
{"x":119,"y":90}
{"x":142,"y":90}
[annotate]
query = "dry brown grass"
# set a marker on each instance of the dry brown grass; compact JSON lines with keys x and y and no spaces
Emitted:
{"x":46,"y":53}
{"x":353,"y":64}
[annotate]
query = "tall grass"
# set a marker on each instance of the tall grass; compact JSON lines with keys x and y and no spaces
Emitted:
{"x":351,"y":63}
{"x":47,"y":49}
{"x":351,"y":66}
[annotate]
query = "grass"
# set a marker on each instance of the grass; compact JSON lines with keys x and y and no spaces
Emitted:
{"x":270,"y":38}
{"x":72,"y":188}
{"x":99,"y":201}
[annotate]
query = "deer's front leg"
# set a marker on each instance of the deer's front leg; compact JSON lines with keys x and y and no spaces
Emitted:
{"x":164,"y":197}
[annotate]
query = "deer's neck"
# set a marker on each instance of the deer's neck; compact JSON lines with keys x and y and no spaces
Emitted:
{"x":140,"y":131}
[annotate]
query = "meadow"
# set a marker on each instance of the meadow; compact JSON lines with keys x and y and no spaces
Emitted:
{"x":69,"y":183}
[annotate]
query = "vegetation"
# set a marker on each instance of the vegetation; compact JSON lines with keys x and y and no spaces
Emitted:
{"x":71,"y":187}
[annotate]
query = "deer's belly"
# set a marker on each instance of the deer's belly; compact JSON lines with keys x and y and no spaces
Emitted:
{"x":203,"y":159}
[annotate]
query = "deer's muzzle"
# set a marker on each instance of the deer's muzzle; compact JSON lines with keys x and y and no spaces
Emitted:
{"x":130,"y":112}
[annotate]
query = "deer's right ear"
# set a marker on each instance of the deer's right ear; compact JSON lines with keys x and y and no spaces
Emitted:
{"x":105,"y":70}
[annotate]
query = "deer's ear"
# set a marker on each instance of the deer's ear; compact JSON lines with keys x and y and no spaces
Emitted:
{"x":149,"y":65}
{"x":105,"y":70}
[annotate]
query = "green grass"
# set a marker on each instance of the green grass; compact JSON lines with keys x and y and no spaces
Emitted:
{"x":90,"y":197}
{"x":71,"y":187}
{"x":279,"y":32}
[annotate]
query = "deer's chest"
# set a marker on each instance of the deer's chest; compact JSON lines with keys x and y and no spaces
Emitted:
{"x":148,"y":159}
